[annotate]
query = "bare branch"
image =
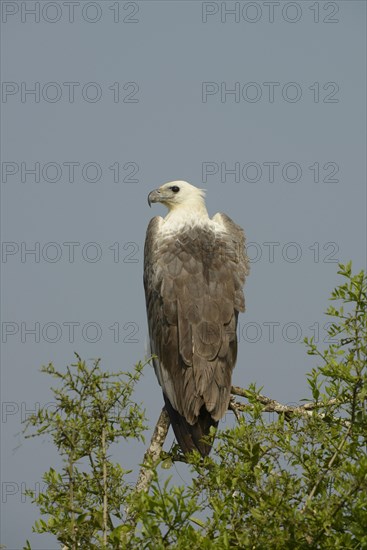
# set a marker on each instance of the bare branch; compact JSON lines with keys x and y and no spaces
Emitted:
{"x":151,"y":457}
{"x":271,"y":405}
{"x":154,"y":450}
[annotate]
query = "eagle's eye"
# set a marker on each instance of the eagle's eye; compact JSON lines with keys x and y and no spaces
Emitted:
{"x":175,"y":189}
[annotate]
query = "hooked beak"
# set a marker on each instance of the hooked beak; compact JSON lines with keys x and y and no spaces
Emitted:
{"x":154,"y":196}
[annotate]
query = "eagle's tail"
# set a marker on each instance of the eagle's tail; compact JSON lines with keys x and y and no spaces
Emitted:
{"x":189,"y":436}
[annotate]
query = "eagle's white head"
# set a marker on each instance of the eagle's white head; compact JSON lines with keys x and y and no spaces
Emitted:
{"x":181,"y":198}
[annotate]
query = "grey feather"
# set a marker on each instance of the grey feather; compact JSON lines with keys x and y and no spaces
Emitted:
{"x":193,"y":283}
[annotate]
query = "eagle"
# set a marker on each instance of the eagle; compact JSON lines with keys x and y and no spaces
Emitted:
{"x":194,"y":271}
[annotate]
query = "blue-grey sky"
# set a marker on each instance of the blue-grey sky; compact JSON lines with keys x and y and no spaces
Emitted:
{"x":262,"y":104}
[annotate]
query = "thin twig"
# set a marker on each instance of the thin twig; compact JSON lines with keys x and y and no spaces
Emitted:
{"x":235,"y":408}
{"x":323,"y":474}
{"x":105,"y":489}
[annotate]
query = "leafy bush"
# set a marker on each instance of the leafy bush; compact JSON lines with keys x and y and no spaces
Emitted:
{"x":297,"y":482}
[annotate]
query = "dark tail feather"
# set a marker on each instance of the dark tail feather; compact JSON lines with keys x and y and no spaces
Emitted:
{"x":189,"y":436}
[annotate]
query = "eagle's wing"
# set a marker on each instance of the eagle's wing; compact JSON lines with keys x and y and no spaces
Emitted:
{"x":193,"y":284}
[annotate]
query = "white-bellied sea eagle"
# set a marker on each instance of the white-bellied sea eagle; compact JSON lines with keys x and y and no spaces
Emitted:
{"x":194,"y":272}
